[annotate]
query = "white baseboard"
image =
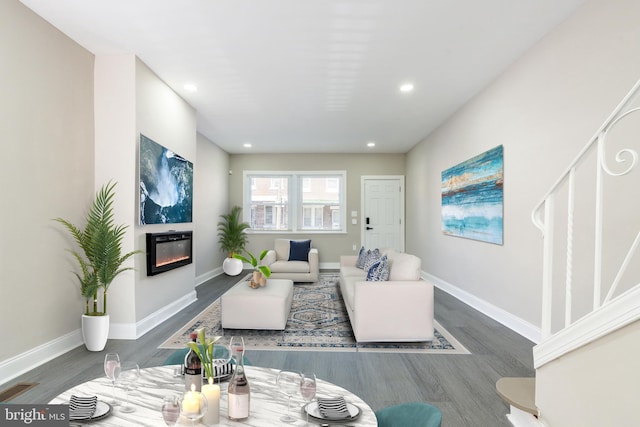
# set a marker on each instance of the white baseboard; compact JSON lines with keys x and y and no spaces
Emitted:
{"x":209,"y":275}
{"x":329,"y":266}
{"x":132,"y":331}
{"x":24,"y":362}
{"x":524,"y":328}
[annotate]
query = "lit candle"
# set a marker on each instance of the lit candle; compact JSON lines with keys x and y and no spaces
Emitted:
{"x":191,"y":402}
{"x":212,"y":393}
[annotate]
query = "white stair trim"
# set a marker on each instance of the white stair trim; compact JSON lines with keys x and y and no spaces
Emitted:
{"x":616,"y":314}
{"x":519,"y":418}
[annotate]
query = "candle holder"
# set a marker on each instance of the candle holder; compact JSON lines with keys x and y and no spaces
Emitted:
{"x":193,"y":405}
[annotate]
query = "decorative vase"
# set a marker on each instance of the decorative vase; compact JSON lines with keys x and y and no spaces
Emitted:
{"x":95,"y":331}
{"x":256,"y":276}
{"x":232,"y":266}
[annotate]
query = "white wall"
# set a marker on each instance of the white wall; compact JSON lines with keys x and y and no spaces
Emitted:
{"x":543,"y":110}
{"x":46,"y":135}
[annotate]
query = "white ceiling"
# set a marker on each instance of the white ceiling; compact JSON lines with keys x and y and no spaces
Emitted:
{"x":315,"y":76}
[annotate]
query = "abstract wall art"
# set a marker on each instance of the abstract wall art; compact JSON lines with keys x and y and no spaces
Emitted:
{"x":472,"y":198}
{"x":166,"y":185}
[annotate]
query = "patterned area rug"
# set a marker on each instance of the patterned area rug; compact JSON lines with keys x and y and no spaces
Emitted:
{"x":318,"y":322}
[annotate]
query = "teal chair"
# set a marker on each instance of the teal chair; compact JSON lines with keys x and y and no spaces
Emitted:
{"x":177,"y":357}
{"x":416,"y":414}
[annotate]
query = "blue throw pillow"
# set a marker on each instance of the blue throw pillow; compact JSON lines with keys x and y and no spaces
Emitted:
{"x":361,"y":256}
{"x":299,"y":250}
{"x":372,"y":257}
{"x":379,"y":271}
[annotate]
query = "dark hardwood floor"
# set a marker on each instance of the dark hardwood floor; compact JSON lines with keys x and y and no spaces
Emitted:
{"x":462,"y":386}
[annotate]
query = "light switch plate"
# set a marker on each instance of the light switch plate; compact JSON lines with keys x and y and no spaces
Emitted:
{"x":354,"y":214}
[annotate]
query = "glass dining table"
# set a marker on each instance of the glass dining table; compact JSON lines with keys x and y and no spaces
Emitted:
{"x":268,"y":404}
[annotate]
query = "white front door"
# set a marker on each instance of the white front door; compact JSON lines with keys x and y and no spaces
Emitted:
{"x":383,"y":212}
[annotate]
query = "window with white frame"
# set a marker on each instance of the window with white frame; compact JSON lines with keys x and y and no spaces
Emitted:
{"x":296,"y":201}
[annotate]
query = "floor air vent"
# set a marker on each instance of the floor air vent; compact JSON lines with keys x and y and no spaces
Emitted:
{"x":15,"y":390}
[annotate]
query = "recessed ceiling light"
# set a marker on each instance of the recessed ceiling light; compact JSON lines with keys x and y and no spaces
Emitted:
{"x":371,"y":144}
{"x":247,"y":145}
{"x":406,"y":87}
{"x":191,"y":87}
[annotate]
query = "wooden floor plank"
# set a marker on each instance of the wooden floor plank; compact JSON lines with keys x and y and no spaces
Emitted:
{"x":462,"y":386}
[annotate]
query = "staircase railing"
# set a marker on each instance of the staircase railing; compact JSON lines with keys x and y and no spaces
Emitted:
{"x":544,"y":217}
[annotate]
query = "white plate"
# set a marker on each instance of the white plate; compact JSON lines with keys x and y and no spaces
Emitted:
{"x":312,"y":409}
{"x":102,"y":410}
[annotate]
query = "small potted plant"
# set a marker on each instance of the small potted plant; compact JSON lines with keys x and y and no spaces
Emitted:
{"x":260,"y":272}
{"x":100,"y":260}
{"x":232,"y":238}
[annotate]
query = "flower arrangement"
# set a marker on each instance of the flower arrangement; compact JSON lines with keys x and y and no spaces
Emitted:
{"x":206,"y":353}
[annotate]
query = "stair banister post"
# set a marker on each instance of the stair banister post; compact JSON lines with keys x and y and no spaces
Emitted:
{"x":547,"y":266}
{"x":569,"y":263}
{"x":597,"y":262}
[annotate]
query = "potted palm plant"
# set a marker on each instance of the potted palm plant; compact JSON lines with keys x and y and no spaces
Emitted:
{"x":232,"y":238}
{"x":100,"y":260}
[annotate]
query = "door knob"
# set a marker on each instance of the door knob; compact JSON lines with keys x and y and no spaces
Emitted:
{"x":369,"y":228}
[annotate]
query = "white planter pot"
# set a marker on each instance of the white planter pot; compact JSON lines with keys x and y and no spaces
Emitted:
{"x":232,"y":266}
{"x":95,"y":331}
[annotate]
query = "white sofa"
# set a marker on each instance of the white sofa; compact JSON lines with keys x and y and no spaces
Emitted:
{"x":299,"y":271}
{"x":397,"y":310}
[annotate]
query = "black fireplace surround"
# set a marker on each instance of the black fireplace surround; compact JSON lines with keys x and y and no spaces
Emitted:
{"x":169,"y":250}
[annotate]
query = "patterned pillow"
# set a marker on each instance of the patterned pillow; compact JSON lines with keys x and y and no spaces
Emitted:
{"x":371,"y":258}
{"x":361,"y":256}
{"x":379,"y":271}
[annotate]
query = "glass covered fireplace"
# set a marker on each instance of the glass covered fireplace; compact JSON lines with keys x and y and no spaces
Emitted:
{"x":169,"y":250}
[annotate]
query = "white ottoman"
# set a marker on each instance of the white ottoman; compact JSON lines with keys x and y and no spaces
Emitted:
{"x":266,"y":307}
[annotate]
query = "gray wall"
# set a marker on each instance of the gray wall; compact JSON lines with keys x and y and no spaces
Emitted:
{"x":211,"y":201}
{"x":69,"y":122}
{"x":46,"y":132}
{"x":543,"y":110}
{"x":331,"y":246}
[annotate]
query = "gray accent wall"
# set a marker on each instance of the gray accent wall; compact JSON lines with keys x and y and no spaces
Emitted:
{"x":330,"y":246}
{"x":543,"y":110}
{"x":46,"y":132}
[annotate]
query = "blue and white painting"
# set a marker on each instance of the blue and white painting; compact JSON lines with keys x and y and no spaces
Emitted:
{"x":166,"y":185}
{"x":472,"y":197}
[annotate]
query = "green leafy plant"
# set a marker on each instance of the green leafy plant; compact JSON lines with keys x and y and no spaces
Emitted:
{"x":264,"y":269}
{"x":231,"y":232}
{"x":100,"y":257}
{"x":205,"y":351}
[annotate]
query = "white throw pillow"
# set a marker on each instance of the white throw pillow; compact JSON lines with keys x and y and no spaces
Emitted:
{"x":405,"y":267}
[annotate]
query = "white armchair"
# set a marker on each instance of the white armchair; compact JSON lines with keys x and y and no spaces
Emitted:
{"x":278,"y":260}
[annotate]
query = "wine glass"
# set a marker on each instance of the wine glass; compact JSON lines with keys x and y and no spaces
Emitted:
{"x":112,"y":370}
{"x":288,"y":383}
{"x":171,"y":409}
{"x":129,"y":374}
{"x":193,"y":405}
{"x":308,"y":389}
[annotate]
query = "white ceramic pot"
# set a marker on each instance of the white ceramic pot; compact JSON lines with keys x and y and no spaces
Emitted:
{"x":232,"y":266}
{"x":95,"y":331}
